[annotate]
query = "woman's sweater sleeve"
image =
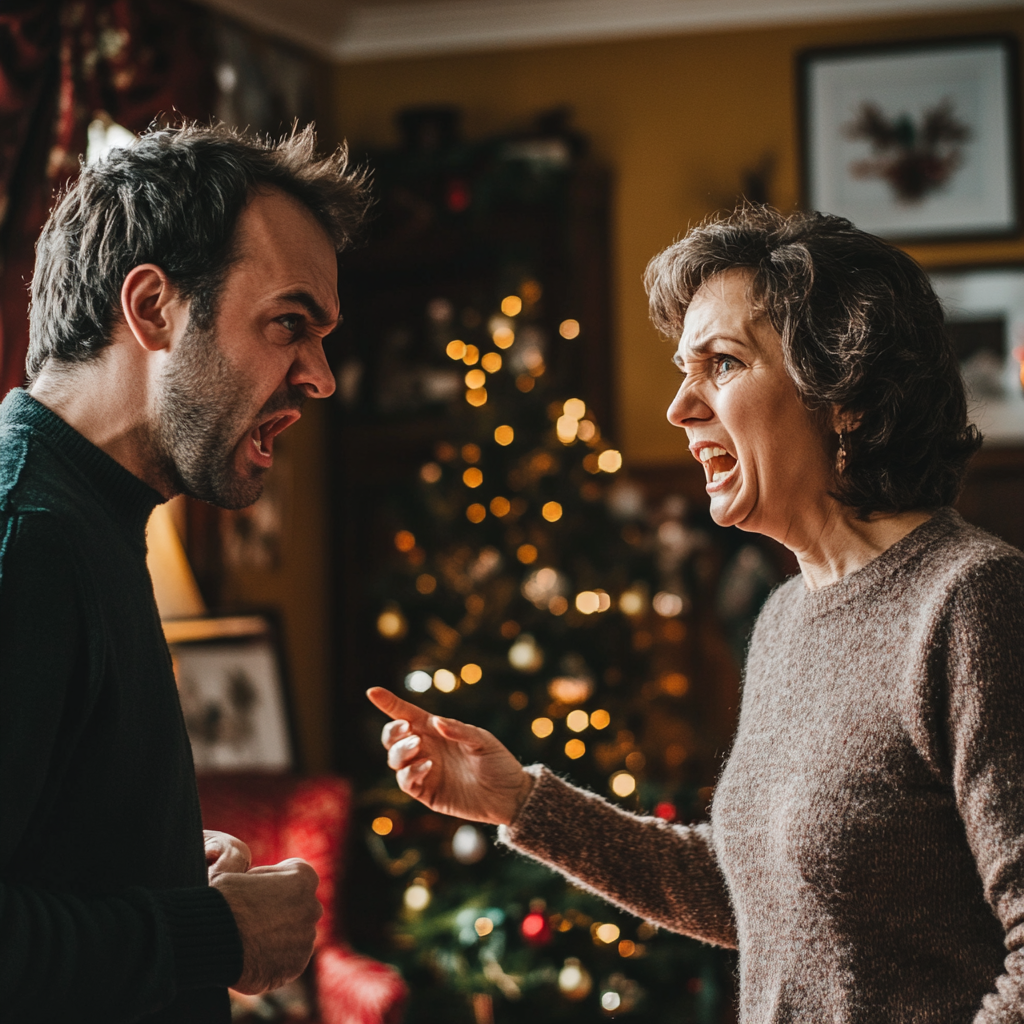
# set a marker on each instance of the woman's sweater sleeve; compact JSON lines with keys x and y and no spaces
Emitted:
{"x":985,"y":740}
{"x":667,"y":874}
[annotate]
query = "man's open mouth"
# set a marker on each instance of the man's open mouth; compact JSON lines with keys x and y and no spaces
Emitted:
{"x":717,"y":463}
{"x":263,"y":435}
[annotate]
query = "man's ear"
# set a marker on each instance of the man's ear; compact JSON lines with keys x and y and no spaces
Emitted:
{"x":152,"y":307}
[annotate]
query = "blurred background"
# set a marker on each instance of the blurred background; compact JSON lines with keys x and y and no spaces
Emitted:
{"x":492,"y":516}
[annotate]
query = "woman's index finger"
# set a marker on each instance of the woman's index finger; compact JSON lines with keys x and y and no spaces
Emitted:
{"x":395,"y":707}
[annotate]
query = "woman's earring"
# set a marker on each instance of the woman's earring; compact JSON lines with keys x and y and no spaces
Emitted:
{"x":841,"y":454}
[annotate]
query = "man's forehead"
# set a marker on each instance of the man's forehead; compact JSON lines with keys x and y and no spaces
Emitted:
{"x":280,"y":241}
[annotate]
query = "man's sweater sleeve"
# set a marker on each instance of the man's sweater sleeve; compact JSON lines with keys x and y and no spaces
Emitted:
{"x":667,"y":874}
{"x":68,"y":954}
{"x":984,"y":672}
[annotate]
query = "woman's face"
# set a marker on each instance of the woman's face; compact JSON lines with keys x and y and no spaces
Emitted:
{"x":766,"y":461}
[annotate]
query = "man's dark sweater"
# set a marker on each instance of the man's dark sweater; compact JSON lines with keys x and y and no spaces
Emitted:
{"x":105,"y":910}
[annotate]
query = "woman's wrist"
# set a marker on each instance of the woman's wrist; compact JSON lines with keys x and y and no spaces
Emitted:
{"x":521,"y":795}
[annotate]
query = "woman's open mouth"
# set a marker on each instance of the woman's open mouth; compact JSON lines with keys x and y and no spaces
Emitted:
{"x":717,"y":463}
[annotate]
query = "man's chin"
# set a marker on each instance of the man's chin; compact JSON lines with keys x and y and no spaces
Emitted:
{"x":229,"y":490}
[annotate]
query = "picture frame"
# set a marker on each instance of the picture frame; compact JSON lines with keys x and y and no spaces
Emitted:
{"x":914,"y":141}
{"x":984,"y":308}
{"x":234,"y":694}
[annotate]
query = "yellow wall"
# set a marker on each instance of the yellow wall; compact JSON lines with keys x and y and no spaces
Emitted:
{"x":678,"y":119}
{"x":299,"y":587}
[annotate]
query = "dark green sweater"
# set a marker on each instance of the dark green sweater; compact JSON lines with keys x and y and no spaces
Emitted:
{"x":105,"y":910}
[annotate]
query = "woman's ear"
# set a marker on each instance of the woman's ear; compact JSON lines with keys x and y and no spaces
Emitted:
{"x":152,"y":307}
{"x":845,"y":421}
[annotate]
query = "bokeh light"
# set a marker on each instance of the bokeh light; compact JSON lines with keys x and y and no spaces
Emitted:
{"x":551,"y":511}
{"x":622,"y":783}
{"x":577,"y":720}
{"x":444,"y":680}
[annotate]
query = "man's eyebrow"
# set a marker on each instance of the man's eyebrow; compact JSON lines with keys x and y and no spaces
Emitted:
{"x":316,"y":313}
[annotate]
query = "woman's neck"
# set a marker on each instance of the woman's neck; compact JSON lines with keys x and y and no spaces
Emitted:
{"x":841,"y":544}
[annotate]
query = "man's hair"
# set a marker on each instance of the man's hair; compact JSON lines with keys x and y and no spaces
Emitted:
{"x":172,"y":198}
{"x":862,"y":330}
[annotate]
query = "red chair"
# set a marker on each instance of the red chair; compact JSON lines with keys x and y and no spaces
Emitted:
{"x":282,"y":816}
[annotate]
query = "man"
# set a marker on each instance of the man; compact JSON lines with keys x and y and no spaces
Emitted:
{"x":182,"y":291}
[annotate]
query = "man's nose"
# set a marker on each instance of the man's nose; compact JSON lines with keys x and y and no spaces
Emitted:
{"x":312,"y":372}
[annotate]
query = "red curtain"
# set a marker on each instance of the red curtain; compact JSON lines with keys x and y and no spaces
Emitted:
{"x":60,"y":63}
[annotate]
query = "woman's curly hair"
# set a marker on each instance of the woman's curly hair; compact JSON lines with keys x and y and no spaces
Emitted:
{"x":862,"y":332}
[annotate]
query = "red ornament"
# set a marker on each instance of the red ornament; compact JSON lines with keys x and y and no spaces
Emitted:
{"x":535,"y":929}
{"x":458,"y":196}
{"x":665,"y":811}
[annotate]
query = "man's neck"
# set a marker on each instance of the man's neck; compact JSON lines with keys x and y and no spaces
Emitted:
{"x":107,"y":401}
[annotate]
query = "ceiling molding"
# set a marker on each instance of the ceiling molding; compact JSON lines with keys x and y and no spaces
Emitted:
{"x":347,"y":31}
{"x":430,"y":27}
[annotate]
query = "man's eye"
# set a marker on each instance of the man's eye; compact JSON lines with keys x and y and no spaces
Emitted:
{"x":290,"y":322}
{"x":725,"y":366}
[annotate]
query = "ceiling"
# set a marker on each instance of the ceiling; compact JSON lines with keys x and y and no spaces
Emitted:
{"x":357,"y":30}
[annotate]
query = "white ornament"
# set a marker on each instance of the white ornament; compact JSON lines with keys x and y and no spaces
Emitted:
{"x":468,"y":845}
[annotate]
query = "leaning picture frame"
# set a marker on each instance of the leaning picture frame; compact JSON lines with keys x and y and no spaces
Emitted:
{"x":984,"y":308}
{"x":233,"y":692}
{"x":914,"y":141}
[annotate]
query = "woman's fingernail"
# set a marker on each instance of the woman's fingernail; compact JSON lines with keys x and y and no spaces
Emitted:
{"x":422,"y":767}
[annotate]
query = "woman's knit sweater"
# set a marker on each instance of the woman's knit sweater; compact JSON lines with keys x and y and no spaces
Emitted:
{"x":866,"y":845}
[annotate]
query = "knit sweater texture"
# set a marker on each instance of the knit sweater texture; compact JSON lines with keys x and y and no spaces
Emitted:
{"x":865,"y":850}
{"x":105,"y":910}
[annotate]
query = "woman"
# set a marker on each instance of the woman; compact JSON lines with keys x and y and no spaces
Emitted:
{"x":865,"y":851}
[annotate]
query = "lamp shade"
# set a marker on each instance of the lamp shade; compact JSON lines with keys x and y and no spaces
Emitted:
{"x":177,"y":594}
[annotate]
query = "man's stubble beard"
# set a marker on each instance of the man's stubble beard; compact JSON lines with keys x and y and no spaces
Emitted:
{"x":202,"y":415}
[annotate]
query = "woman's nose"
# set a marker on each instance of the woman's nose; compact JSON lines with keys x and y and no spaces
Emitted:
{"x":687,"y":407}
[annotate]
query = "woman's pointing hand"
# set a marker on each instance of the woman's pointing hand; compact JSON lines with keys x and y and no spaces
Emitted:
{"x":451,"y":767}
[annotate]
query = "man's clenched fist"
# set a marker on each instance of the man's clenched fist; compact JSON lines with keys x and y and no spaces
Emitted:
{"x":276,"y":910}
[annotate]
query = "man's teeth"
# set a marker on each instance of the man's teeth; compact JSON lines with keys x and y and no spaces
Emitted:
{"x":706,"y":454}
{"x":258,"y":441}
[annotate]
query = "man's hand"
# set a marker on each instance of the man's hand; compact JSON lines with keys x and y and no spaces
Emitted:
{"x":225,"y":853}
{"x":451,"y":767}
{"x":276,"y":910}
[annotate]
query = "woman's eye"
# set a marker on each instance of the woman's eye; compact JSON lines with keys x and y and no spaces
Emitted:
{"x":725,"y":366}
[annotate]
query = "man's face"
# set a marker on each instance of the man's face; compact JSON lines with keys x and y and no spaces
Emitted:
{"x":228,"y":390}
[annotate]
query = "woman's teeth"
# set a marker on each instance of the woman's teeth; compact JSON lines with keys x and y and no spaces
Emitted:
{"x":717,"y":462}
{"x":706,"y":454}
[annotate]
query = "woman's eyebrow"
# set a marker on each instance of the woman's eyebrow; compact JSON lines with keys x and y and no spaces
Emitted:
{"x":701,"y":348}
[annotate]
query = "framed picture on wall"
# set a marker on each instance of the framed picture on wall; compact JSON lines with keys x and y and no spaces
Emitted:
{"x":233,"y":694}
{"x":985,"y":312}
{"x":916,"y":141}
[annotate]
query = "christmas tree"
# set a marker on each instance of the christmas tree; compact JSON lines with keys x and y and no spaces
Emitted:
{"x":533,"y":592}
